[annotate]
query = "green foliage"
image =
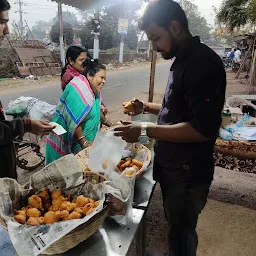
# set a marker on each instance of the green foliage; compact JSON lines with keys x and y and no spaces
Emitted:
{"x":67,"y":17}
{"x":109,"y":37}
{"x":237,"y":13}
{"x":67,"y":32}
{"x":197,"y":24}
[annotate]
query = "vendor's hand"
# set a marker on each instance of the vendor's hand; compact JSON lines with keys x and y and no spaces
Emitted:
{"x":130,"y":132}
{"x":39,"y":127}
{"x":137,"y":107}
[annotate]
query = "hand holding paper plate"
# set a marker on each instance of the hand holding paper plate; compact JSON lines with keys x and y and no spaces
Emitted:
{"x":59,"y":130}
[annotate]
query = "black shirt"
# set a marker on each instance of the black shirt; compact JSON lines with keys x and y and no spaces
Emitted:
{"x":195,"y":93}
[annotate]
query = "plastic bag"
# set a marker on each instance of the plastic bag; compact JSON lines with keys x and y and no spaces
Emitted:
{"x":42,"y":111}
{"x":106,"y":152}
{"x":120,"y":193}
{"x":36,"y":109}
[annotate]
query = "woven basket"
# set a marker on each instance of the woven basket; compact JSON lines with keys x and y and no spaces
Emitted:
{"x":82,"y":232}
{"x":78,"y":235}
{"x":83,"y":156}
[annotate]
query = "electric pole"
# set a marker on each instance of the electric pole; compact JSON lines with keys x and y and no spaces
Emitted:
{"x":20,"y":11}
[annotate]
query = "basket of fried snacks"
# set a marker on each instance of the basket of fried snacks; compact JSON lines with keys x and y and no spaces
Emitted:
{"x":62,"y":207}
{"x":135,"y":157}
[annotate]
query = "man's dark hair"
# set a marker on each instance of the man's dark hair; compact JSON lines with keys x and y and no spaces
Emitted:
{"x":162,"y":12}
{"x":4,"y":5}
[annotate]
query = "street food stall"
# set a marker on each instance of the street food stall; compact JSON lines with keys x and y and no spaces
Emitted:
{"x":235,"y":149}
{"x":96,"y":236}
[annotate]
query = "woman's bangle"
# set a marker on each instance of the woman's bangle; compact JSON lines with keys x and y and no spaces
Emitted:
{"x":84,"y":144}
{"x":81,"y":138}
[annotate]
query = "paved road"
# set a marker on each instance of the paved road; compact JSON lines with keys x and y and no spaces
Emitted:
{"x":120,"y":86}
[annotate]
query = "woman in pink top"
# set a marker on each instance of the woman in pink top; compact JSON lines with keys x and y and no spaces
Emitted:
{"x":77,"y":58}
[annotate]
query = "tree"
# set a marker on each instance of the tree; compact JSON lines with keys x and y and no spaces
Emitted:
{"x":67,"y":17}
{"x":109,"y":37}
{"x":233,"y":13}
{"x":237,"y":13}
{"x":67,"y":32}
{"x":39,"y":29}
{"x":197,"y":24}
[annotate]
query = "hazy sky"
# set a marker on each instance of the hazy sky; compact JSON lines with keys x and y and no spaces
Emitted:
{"x":46,"y":10}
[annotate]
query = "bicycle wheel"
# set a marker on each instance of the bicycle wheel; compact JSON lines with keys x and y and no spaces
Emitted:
{"x":29,"y":156}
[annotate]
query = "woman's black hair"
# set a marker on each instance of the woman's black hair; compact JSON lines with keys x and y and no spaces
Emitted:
{"x":92,"y":67}
{"x":73,"y":52}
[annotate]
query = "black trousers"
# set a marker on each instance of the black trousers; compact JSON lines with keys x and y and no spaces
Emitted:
{"x":182,"y":204}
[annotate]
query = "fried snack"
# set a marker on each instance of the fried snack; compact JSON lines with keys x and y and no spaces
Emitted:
{"x":129,"y":173}
{"x":120,"y":163}
{"x":41,"y":220}
{"x":138,"y":163}
{"x":87,"y":207}
{"x":25,"y":208}
{"x":74,"y":201}
{"x":126,"y":164}
{"x":96,"y":204}
{"x":50,"y":218}
{"x":67,"y":206}
{"x":56,"y":194}
{"x":64,"y":214}
{"x":81,"y":201}
{"x":50,"y":209}
{"x":44,"y":195}
{"x":35,"y":202}
{"x":74,"y":215}
{"x":129,"y":106}
{"x":33,"y":212}
{"x":74,"y":205}
{"x":32,"y":221}
{"x":20,"y":219}
{"x":21,"y":212}
{"x":56,"y":203}
{"x":57,"y":215}
{"x":91,"y":200}
{"x":90,"y":211}
{"x":79,"y":210}
{"x":46,"y":206}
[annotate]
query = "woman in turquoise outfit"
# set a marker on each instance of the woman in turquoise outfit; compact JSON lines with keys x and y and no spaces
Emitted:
{"x":78,"y":112}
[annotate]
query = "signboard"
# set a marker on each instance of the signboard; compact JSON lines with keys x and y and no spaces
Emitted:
{"x":123,"y":26}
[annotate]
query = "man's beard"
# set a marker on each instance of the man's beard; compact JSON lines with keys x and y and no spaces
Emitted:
{"x":173,"y":51}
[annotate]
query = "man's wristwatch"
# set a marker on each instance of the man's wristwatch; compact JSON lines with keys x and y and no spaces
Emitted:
{"x":144,"y":139}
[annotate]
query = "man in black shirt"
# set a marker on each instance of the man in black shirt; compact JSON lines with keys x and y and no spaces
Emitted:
{"x":188,"y":122}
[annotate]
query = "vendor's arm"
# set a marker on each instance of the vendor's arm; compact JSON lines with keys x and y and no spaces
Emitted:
{"x":152,"y":108}
{"x":205,"y":99}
